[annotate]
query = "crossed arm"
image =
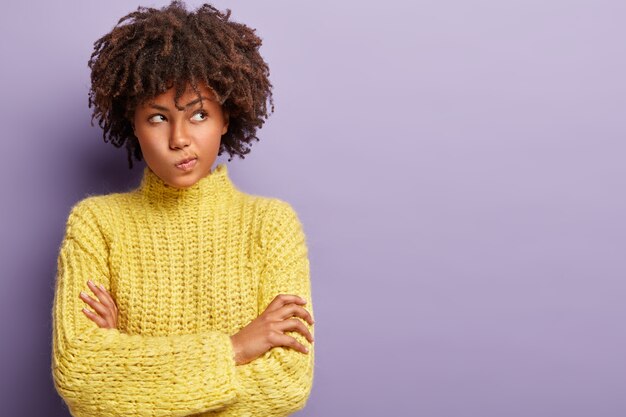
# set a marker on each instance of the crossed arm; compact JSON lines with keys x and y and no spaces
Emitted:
{"x":262,"y":369}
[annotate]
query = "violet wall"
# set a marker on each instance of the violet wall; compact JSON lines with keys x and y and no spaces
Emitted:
{"x":458,"y":167}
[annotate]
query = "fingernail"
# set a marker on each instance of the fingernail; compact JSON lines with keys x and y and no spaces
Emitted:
{"x":83,"y":294}
{"x":102,"y":287}
{"x":90,"y":282}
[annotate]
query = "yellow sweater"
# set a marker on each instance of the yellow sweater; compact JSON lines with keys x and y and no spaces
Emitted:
{"x":187,"y":269}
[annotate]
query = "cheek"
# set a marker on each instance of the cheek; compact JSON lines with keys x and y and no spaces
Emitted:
{"x":147,"y":144}
{"x":149,"y":136}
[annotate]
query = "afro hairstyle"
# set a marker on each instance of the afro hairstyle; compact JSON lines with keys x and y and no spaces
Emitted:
{"x":159,"y":49}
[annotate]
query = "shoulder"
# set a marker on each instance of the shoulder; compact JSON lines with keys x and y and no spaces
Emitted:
{"x":88,"y":205}
{"x":98,"y":205}
{"x":281,"y":222}
{"x":281,"y":211}
{"x":268,"y":209}
{"x":92,"y":214}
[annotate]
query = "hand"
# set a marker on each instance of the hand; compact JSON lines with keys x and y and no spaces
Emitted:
{"x":266,"y":331}
{"x":106,"y":308}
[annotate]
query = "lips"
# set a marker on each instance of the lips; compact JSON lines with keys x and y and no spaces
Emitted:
{"x":184,"y":161}
{"x":187,"y":166}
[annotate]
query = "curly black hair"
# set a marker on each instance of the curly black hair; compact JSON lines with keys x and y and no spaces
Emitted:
{"x":171,"y":47}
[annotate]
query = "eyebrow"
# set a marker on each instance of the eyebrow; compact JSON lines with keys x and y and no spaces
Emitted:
{"x":191,"y":103}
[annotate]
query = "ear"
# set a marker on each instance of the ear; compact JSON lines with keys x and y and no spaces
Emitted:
{"x":131,"y":120}
{"x":227,"y":121}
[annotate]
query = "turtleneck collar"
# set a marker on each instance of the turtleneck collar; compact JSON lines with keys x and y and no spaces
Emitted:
{"x":155,"y":189}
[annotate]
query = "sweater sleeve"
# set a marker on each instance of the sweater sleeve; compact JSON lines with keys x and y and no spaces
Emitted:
{"x":105,"y":372}
{"x":279,"y":382}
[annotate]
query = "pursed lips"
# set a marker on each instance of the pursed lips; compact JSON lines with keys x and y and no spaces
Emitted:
{"x":185,"y":161}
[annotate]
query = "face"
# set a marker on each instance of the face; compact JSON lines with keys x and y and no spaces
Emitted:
{"x":168,"y":136}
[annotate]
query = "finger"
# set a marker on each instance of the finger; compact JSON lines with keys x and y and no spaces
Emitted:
{"x":288,"y":341}
{"x":100,"y":308}
{"x":95,"y":318}
{"x":295,"y":325}
{"x":291,"y":310}
{"x":110,"y":301}
{"x":102,"y":295}
{"x":109,"y":296}
{"x":282,"y":299}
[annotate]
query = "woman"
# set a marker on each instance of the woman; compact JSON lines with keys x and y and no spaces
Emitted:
{"x":199,"y":289}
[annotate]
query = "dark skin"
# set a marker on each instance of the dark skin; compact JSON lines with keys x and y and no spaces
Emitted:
{"x":150,"y":50}
{"x":168,"y":134}
{"x":252,"y":341}
{"x":147,"y":41}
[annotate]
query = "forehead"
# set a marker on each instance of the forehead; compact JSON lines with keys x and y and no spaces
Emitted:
{"x":166,"y":98}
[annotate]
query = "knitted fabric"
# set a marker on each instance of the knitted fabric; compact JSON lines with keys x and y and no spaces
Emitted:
{"x":187,"y":269}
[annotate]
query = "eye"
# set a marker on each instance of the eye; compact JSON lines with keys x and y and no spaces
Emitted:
{"x":202,"y":113}
{"x":150,"y":119}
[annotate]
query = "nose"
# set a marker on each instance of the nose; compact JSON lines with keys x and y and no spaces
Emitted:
{"x":178,"y":136}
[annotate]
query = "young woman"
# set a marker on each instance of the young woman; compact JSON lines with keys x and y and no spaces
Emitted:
{"x":201,"y":297}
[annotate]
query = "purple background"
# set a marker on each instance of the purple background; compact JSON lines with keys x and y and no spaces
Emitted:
{"x":458,"y":167}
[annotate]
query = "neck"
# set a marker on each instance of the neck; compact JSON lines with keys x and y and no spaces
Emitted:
{"x":214,"y":184}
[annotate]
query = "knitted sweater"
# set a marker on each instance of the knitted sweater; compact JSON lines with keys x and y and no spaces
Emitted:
{"x":187,"y":269}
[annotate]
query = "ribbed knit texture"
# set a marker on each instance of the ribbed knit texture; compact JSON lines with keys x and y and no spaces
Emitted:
{"x":187,"y":269}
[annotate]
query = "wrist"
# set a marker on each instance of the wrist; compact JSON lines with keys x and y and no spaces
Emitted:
{"x":236,"y":352}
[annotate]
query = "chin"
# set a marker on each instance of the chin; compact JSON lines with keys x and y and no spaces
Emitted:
{"x":185,"y":182}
